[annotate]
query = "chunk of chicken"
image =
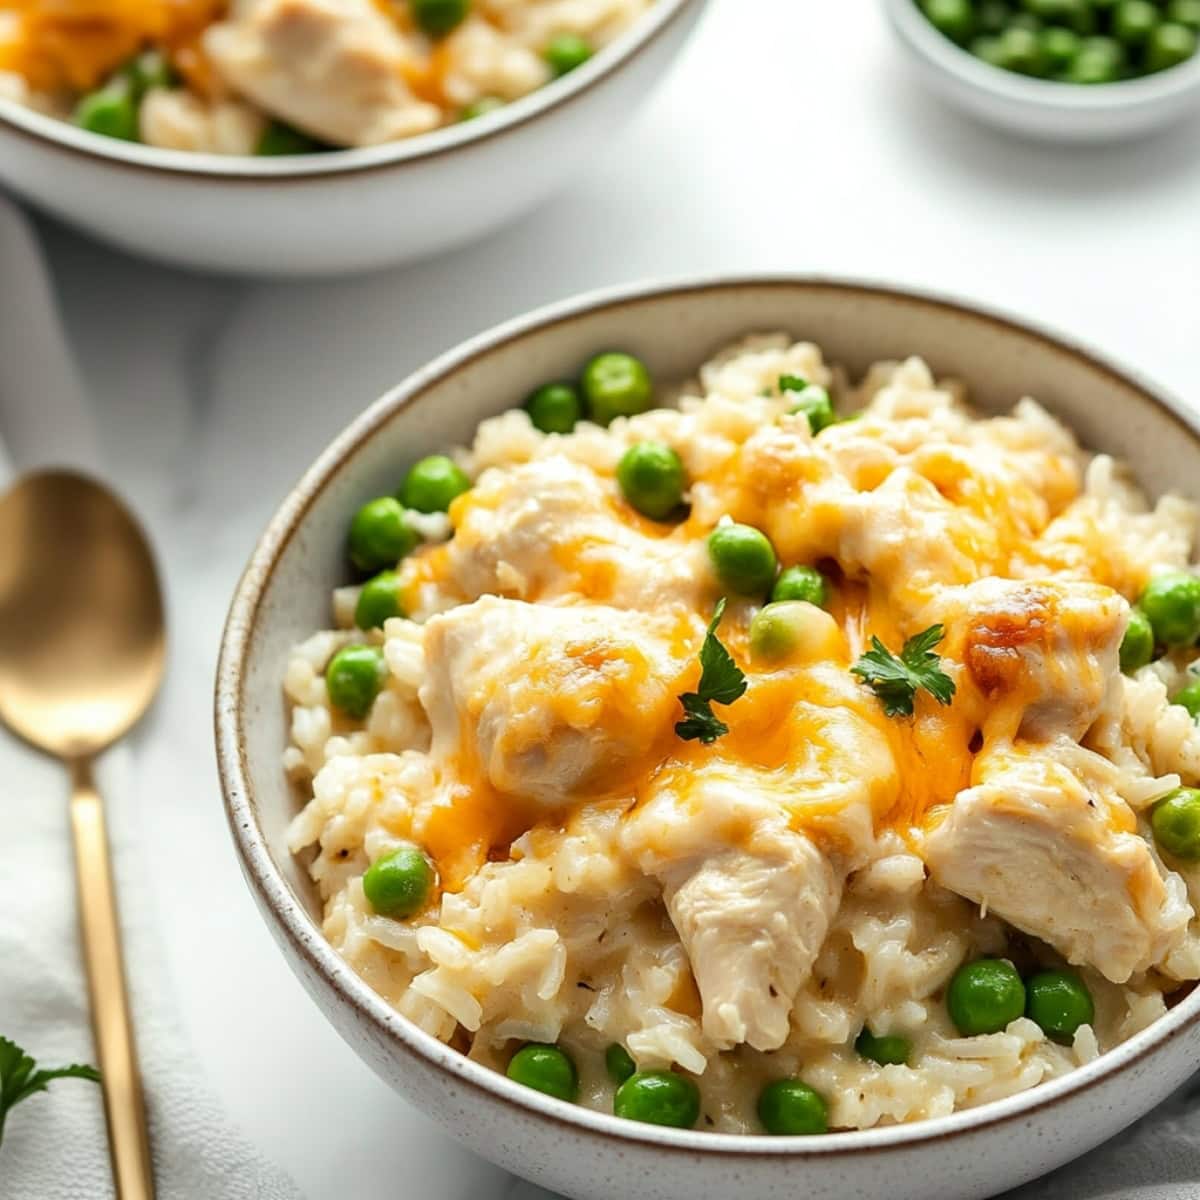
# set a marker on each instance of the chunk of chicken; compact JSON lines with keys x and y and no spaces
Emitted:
{"x":551,"y":702}
{"x":1034,"y":844}
{"x":752,"y":857}
{"x":552,"y":527}
{"x":334,"y":68}
{"x":1042,"y":655}
{"x":752,"y":925}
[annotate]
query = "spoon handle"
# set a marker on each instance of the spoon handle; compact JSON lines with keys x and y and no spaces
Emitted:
{"x":128,"y":1143}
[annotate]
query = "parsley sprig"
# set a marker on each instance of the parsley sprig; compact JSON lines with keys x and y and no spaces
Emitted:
{"x":895,"y":680}
{"x":721,"y":682}
{"x":792,"y":383}
{"x":19,"y":1080}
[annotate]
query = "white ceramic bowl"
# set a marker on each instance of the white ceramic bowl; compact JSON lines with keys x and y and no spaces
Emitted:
{"x":346,"y":210}
{"x":1040,"y":108}
{"x":284,"y":597}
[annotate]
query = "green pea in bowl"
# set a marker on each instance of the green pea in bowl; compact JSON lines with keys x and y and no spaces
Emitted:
{"x":1057,"y":70}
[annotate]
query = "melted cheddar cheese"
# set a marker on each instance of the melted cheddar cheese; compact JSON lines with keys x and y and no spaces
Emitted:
{"x":74,"y":45}
{"x":907,"y":511}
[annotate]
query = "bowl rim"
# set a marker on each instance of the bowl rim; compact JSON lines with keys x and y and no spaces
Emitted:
{"x":936,"y":50}
{"x":66,"y":139}
{"x":291,"y":919}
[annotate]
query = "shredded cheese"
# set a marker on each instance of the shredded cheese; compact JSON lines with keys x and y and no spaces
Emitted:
{"x":74,"y":45}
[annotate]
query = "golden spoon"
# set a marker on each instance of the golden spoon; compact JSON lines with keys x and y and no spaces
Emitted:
{"x":82,"y":647}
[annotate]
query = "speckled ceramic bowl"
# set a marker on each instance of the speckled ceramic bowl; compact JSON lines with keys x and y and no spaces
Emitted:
{"x":284,"y":596}
{"x":346,"y":210}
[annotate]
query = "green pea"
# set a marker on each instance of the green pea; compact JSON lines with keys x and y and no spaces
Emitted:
{"x":379,"y":535}
{"x":619,"y":1063}
{"x":1172,"y":603}
{"x":480,"y":108}
{"x":439,"y":17}
{"x":984,"y":996}
{"x":891,"y":1050}
{"x":743,"y":559}
{"x":1022,"y":51}
{"x":1079,"y":16}
{"x":111,"y":112}
{"x":954,"y":18}
{"x":1058,"y":1002}
{"x":814,"y":402}
{"x":1137,"y":646}
{"x":1184,"y":12}
{"x":1075,"y":15}
{"x":1060,"y":47}
{"x":554,"y":407}
{"x":1026,"y":21}
{"x":1176,"y":823}
{"x":354,"y":678}
{"x":279,"y":141}
{"x":658,"y":1098}
{"x":1133,"y":21}
{"x":616,"y":385}
{"x":378,"y":601}
{"x":432,"y":484}
{"x":992,"y":16}
{"x":1169,"y":45}
{"x":801,"y":583}
{"x":1100,"y":60}
{"x":150,"y":69}
{"x":990,"y":51}
{"x":1189,"y":697}
{"x":398,"y":884}
{"x":566,"y":52}
{"x":790,"y":1107}
{"x":778,"y":629}
{"x":651,"y":478}
{"x":545,"y":1069}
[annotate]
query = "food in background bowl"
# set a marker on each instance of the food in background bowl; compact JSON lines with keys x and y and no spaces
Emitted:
{"x":756,"y":762}
{"x":278,"y":77}
{"x":1072,"y":41}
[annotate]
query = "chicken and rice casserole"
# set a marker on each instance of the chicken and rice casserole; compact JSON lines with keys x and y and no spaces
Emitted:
{"x":770,"y":753}
{"x":290,"y":76}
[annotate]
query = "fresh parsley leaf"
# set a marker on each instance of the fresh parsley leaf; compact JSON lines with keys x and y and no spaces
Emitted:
{"x":721,"y":682}
{"x":895,"y":680}
{"x":19,"y":1080}
{"x":792,"y":383}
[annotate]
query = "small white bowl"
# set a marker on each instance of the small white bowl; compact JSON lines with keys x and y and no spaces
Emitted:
{"x":346,"y":210}
{"x":284,"y":596}
{"x":1040,"y":108}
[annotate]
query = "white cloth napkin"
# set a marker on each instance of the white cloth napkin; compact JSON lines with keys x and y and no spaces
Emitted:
{"x":55,"y":1146}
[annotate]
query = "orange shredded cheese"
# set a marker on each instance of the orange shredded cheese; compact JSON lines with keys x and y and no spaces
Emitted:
{"x":74,"y":45}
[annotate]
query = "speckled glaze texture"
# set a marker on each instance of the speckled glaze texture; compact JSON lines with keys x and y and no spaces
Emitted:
{"x":1037,"y":108}
{"x":284,"y":594}
{"x":350,"y":210}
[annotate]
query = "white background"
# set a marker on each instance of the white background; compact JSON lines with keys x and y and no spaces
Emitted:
{"x":787,"y":138}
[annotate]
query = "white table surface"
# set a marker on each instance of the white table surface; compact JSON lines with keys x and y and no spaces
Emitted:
{"x":788,"y":138}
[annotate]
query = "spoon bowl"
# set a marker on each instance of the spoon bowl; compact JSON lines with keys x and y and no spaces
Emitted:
{"x":81,"y":615}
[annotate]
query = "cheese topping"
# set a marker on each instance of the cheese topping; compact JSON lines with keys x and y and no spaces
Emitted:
{"x":910,"y":511}
{"x":75,"y":45}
